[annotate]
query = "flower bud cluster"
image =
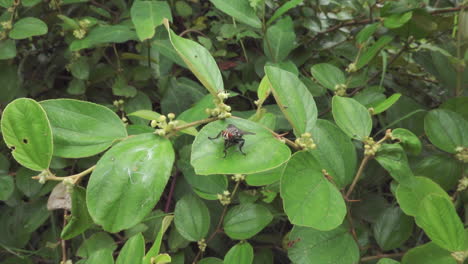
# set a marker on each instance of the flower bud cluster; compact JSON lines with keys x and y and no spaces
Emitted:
{"x":221,"y":110}
{"x":352,"y":68}
{"x":80,"y":33}
{"x":164,"y":127}
{"x":202,"y":245}
{"x":306,"y":142}
{"x":460,"y":256}
{"x":462,"y":154}
{"x":462,"y":184}
{"x":224,"y":198}
{"x":55,"y":4}
{"x":370,"y":147}
{"x":340,"y":89}
{"x":238,"y":177}
{"x":43,"y":176}
{"x":6,"y":24}
{"x":119,"y":104}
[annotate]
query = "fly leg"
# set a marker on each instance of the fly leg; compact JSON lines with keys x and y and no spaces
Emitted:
{"x":241,"y":142}
{"x":227,"y":144}
{"x":219,"y":134}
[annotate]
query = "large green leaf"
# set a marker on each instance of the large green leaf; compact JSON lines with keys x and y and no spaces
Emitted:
{"x":199,"y":61}
{"x":240,"y":10}
{"x":328,"y":75}
{"x":293,"y":98}
{"x":240,"y":253}
{"x":428,"y":253}
{"x":313,"y":246}
{"x":26,"y":131}
{"x":393,"y":158}
{"x":409,"y":141}
{"x":447,"y":130}
{"x":28,"y":27}
{"x":263,"y":150}
{"x":146,"y":15}
{"x":385,"y":104}
{"x":102,"y":256}
{"x":370,"y":53}
{"x":98,"y":241}
{"x":134,"y":172}
{"x":335,"y":152}
{"x":439,"y":220}
{"x":82,"y":129}
{"x":280,"y":40}
{"x":352,"y":117}
{"x":410,"y":196}
{"x":80,"y":219}
{"x":309,"y":198}
{"x":133,"y":250}
{"x":104,"y":34}
{"x":192,"y":217}
{"x":392,"y":228}
{"x":246,"y":220}
{"x":265,"y":177}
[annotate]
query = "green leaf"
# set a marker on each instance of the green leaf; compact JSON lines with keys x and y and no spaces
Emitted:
{"x":439,"y":220}
{"x":181,"y":94}
{"x":199,"y":61}
{"x":121,"y":87}
{"x":392,"y":228}
{"x":352,"y":117}
{"x":11,"y":82}
{"x":147,"y":15}
{"x":263,"y":89}
{"x":135,"y":171}
{"x":313,"y":246}
{"x":26,"y":131}
{"x":211,"y":260}
{"x":309,"y":198}
{"x":387,"y":261}
{"x":197,"y":111}
{"x":335,"y":152}
{"x":28,"y":27}
{"x":457,"y":105}
{"x":7,"y":49}
{"x":428,"y":253}
{"x":240,"y":253}
{"x":283,"y":9}
{"x":154,"y":250}
{"x":76,"y":87}
{"x":410,"y":196}
{"x":146,"y":114}
{"x":80,"y":219}
{"x":263,"y":150}
{"x":79,"y":68}
{"x":102,"y":256}
{"x":446,"y":129}
{"x":328,"y":75}
{"x":25,"y":184}
{"x":397,"y":20}
{"x":280,"y":40}
{"x":133,"y":250}
{"x":192,"y":217}
{"x":293,"y":98}
{"x":441,"y":168}
{"x":370,"y":53}
{"x":98,"y":241}
{"x":393,"y":158}
{"x":384,"y":105}
{"x":246,"y":220}
{"x":366,"y":33}
{"x":409,"y":141}
{"x":7,"y":186}
{"x":240,"y":10}
{"x":265,"y":177}
{"x":82,"y":129}
{"x":104,"y":34}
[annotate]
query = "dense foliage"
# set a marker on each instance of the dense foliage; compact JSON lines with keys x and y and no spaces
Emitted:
{"x":242,"y":131}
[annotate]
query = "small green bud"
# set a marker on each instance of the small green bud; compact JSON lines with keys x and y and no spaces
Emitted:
{"x":162,"y":118}
{"x":171,"y":116}
{"x":154,"y":123}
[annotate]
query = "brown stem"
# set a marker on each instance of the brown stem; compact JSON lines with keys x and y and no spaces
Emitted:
{"x":75,"y":178}
{"x":358,"y":175}
{"x":382,"y":256}
{"x":196,"y":123}
{"x":171,"y":192}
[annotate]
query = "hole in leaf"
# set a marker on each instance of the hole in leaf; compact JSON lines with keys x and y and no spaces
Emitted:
{"x":25,"y":141}
{"x":12,"y":148}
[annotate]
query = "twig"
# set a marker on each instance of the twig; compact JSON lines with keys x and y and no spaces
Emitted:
{"x":195,"y":123}
{"x":171,"y":192}
{"x":358,"y":175}
{"x":74,"y":178}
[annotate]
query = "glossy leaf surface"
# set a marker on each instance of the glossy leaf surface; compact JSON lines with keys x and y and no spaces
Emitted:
{"x":192,"y":218}
{"x":246,"y":220}
{"x":352,"y":117}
